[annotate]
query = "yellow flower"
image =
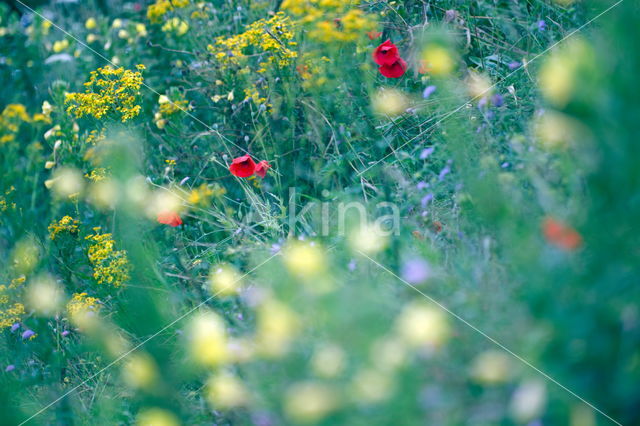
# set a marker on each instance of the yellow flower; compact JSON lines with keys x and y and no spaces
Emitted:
{"x":80,"y":302}
{"x":90,"y":24}
{"x":108,"y":91}
{"x":67,"y":225}
{"x":110,"y":266}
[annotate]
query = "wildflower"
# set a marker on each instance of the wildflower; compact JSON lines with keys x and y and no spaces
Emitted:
{"x":491,"y":367}
{"x":328,"y":361}
{"x":208,"y":339}
{"x":528,"y":401}
{"x":386,"y":54}
{"x":437,"y":60}
{"x":110,"y":266}
{"x":67,"y":225}
{"x":277,"y":325}
{"x":561,"y":235}
{"x":416,"y":271}
{"x":389,"y":102}
{"x":140,"y":371}
{"x":156,"y":416}
{"x":169,"y":218}
{"x":395,"y":70}
{"x":90,"y":24}
{"x":428,"y":91}
{"x":497,"y":100}
{"x":28,"y":334}
{"x":542,"y":25}
{"x":9,"y":368}
{"x":44,"y":296}
{"x":309,"y":402}
{"x":242,"y":166}
{"x":304,"y":259}
{"x":261,"y":168}
{"x":368,"y":238}
{"x":108,"y":91}
{"x":420,"y":325}
{"x":80,"y":302}
{"x":426,"y":153}
{"x":225,"y":391}
{"x":225,"y":280}
{"x":372,"y":386}
{"x":14,"y":327}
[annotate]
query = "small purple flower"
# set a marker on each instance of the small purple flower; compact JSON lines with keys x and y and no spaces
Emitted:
{"x":482,"y":103}
{"x":450,"y":15}
{"x":352,"y":265}
{"x":542,"y":25}
{"x":15,"y":326}
{"x":65,"y":333}
{"x":28,"y":334}
{"x":497,"y":100}
{"x":505,"y":165}
{"x":416,"y":271}
{"x":445,"y":171}
{"x":426,"y":200}
{"x":514,"y":65}
{"x":422,"y":185}
{"x":426,"y":152}
{"x":428,"y":91}
{"x":10,"y":367}
{"x":275,"y":248}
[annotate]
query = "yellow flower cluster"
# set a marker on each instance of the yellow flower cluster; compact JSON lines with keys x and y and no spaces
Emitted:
{"x":202,"y":195}
{"x":96,"y":136}
{"x":177,"y":26}
{"x":5,"y":204}
{"x":66,"y":225}
{"x":273,"y":36}
{"x":168,"y":107}
{"x":98,"y":174}
{"x":331,"y":20}
{"x":110,"y":266}
{"x":81,"y":303}
{"x":12,"y":117}
{"x":109,"y":90}
{"x":156,"y":11}
{"x":11,"y":311}
{"x":253,"y":94}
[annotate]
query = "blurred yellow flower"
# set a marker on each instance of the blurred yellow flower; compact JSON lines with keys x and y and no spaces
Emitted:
{"x":309,"y":402}
{"x":156,"y":417}
{"x":225,"y":391}
{"x":421,"y":325}
{"x":207,"y":339}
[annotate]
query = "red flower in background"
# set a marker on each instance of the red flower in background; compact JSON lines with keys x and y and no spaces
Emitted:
{"x":169,"y":218}
{"x":386,"y":53}
{"x":261,"y":168}
{"x":242,"y":166}
{"x":395,"y":70}
{"x":561,"y":235}
{"x":374,"y":35}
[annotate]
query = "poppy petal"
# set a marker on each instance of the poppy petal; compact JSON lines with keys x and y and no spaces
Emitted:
{"x":386,"y":53}
{"x":395,"y":70}
{"x":242,"y":166}
{"x":261,"y":168}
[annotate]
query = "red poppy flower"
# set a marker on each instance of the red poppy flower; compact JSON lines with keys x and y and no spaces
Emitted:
{"x":386,"y":53}
{"x":261,"y":168}
{"x":169,"y":218}
{"x":561,"y":235}
{"x":395,"y":70}
{"x":374,"y":35}
{"x":242,"y":166}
